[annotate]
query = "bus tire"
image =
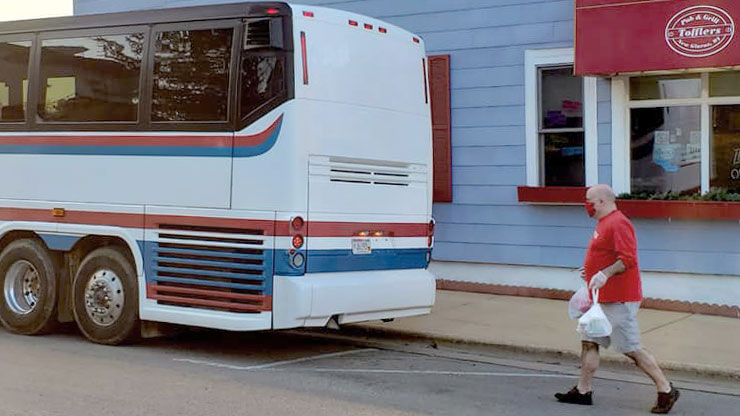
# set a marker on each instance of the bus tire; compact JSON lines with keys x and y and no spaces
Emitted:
{"x":105,"y":297}
{"x":28,"y":280}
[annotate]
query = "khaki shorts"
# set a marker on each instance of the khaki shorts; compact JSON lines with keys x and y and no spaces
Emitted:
{"x":625,"y":337}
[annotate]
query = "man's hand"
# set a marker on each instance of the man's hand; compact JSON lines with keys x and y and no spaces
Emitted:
{"x":582,"y":271}
{"x":597,"y":281}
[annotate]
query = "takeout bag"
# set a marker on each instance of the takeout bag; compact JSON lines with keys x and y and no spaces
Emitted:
{"x":579,"y":303}
{"x":593,"y":323}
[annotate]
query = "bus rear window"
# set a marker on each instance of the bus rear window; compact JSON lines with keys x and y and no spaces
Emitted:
{"x":91,"y":79}
{"x":13,"y":80}
{"x":264,"y":80}
{"x":191,"y":75}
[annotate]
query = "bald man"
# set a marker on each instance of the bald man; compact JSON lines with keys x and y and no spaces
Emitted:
{"x":611,"y":267}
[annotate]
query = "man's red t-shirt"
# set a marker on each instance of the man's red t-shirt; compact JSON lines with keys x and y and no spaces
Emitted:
{"x":614,"y":239}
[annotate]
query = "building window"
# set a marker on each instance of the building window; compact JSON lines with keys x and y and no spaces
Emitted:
{"x":561,"y":132}
{"x":561,"y":121}
{"x":684,"y":133}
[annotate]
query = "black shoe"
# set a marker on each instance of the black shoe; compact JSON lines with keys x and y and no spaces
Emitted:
{"x":575,"y":397}
{"x":666,"y":401}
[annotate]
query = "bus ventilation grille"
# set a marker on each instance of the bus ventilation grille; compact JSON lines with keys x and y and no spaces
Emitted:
{"x":210,"y":268}
{"x":257,"y":34}
{"x":373,"y":174}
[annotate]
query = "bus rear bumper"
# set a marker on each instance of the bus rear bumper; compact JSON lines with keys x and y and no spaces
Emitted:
{"x":311,"y":300}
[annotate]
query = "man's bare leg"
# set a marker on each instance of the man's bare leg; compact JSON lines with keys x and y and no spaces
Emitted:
{"x":589,"y":365}
{"x":647,"y":363}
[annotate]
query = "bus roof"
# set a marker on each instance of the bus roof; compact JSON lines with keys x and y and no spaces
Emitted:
{"x":144,"y":17}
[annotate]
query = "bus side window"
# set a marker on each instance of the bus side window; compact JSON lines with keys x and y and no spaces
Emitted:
{"x":14,"y":80}
{"x":89,"y":79}
{"x":191,"y":75}
{"x":263,"y":66}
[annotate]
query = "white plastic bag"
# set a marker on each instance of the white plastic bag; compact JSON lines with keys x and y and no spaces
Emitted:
{"x":593,"y":323}
{"x":579,"y":303}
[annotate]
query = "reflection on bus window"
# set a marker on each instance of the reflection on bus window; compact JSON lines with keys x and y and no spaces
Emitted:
{"x":59,"y":90}
{"x":91,"y":79}
{"x":262,"y":79}
{"x":13,"y":80}
{"x":191,"y":75}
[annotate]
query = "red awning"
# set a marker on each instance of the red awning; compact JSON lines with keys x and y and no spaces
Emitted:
{"x":618,"y":36}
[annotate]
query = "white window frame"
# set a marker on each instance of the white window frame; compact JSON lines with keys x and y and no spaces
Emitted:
{"x":621,"y":106}
{"x":533,"y":60}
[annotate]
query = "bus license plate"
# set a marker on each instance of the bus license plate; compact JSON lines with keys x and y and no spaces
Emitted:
{"x":361,"y":246}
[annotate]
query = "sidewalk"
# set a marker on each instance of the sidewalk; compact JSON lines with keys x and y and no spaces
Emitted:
{"x":679,"y":341}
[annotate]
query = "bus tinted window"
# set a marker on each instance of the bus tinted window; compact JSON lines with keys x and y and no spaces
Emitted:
{"x":91,"y":79}
{"x":13,"y":80}
{"x":191,"y":75}
{"x":263,"y":78}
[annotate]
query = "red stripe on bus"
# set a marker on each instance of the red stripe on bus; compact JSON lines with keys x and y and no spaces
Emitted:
{"x":347,"y":229}
{"x":154,"y":289}
{"x":220,"y":141}
{"x":211,"y":303}
{"x":269,"y":227}
{"x":259,"y":138}
{"x":73,"y":217}
{"x":120,"y":141}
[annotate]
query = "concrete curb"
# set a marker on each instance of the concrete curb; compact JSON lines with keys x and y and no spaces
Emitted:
{"x":693,"y":368}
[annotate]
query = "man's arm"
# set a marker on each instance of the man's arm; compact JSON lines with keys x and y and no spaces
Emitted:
{"x":599,"y":279}
{"x":616,"y":268}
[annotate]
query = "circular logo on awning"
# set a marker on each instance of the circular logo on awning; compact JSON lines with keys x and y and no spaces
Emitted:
{"x":700,"y":31}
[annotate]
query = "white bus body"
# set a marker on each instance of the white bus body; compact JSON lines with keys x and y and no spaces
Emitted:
{"x":319,"y":208}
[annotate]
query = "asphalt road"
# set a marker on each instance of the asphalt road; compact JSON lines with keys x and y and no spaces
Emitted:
{"x":221,"y":373}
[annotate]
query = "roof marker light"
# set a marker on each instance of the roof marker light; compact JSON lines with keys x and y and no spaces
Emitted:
{"x":353,"y":23}
{"x":272,"y":11}
{"x":368,"y":26}
{"x":382,"y":30}
{"x":307,"y":13}
{"x":416,"y":40}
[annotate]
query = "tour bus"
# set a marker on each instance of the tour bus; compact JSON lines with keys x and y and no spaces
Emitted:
{"x":247,"y":166}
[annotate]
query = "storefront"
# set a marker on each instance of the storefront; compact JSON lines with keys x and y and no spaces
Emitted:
{"x":654,"y":110}
{"x":675,"y":91}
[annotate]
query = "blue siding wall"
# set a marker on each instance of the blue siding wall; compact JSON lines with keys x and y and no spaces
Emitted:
{"x":486,"y":40}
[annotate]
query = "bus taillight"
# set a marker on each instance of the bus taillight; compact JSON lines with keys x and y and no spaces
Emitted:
{"x":426,"y":89}
{"x":305,"y":58}
{"x":297,"y":223}
{"x":430,"y":233}
{"x":307,"y":13}
{"x":298,"y":241}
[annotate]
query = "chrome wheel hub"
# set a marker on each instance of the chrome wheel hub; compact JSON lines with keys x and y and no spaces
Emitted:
{"x":104,"y":297}
{"x":22,"y":287}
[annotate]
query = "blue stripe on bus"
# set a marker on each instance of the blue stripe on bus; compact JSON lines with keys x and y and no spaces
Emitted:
{"x":250,"y":151}
{"x":238,"y":150}
{"x":321,"y":261}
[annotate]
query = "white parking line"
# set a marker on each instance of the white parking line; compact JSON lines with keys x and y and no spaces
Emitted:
{"x":273,"y":364}
{"x":432,"y":372}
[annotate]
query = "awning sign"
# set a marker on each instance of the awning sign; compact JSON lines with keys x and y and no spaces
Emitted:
{"x":699,"y":31}
{"x":618,"y":36}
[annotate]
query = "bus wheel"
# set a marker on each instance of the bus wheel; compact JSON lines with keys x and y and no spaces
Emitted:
{"x":28,"y":279}
{"x":105,"y":297}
